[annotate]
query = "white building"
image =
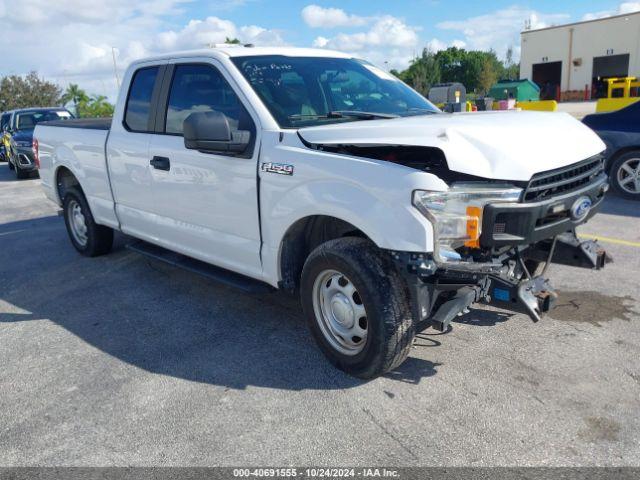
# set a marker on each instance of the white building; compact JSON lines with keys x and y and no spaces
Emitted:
{"x":581,"y":55}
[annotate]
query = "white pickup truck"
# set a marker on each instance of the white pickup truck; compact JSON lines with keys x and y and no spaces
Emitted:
{"x":314,"y":172}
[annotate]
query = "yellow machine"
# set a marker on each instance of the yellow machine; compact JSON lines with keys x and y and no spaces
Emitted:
{"x":612,"y":103}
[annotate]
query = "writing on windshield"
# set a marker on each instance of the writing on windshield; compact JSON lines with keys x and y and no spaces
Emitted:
{"x":303,"y":91}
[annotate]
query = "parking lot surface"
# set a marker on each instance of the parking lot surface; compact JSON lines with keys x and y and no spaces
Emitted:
{"x":121,"y":360}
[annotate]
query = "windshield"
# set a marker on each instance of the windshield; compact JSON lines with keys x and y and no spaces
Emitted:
{"x":29,"y":119}
{"x":305,"y":91}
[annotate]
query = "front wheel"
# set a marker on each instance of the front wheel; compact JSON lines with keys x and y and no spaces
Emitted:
{"x":625,"y":175}
{"x":357,"y":307}
{"x":88,"y":238}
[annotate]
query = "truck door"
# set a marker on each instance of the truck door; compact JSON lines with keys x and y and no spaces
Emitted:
{"x":206,"y":203}
{"x":128,"y":154}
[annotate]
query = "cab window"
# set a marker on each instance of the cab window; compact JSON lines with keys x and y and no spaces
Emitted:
{"x":138,"y":108}
{"x":202,"y":88}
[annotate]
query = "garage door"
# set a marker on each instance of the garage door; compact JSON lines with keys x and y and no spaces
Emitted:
{"x":547,"y":76}
{"x":610,"y":66}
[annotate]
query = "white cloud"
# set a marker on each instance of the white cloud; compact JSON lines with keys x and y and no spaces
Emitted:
{"x":435,"y":45}
{"x":388,"y":41}
{"x":320,"y":17}
{"x":33,"y":12}
{"x":500,"y":29}
{"x":200,"y":33}
{"x":320,"y":42}
{"x":624,"y":7}
{"x":79,"y":48}
{"x":386,"y":31}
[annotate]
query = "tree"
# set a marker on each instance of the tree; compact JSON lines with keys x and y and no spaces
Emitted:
{"x":423,"y":73}
{"x":232,"y":41}
{"x":487,"y":76}
{"x":28,"y":91}
{"x":96,"y":106}
{"x":511,"y":68}
{"x":75,"y":95}
{"x":476,"y":70}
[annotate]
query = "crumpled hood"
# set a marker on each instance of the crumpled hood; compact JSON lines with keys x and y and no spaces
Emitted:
{"x":498,"y":145}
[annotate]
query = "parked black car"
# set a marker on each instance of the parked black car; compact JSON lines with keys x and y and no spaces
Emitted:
{"x":20,"y":127}
{"x":620,"y":130}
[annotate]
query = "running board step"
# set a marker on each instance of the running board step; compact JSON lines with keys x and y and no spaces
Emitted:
{"x":218,"y":274}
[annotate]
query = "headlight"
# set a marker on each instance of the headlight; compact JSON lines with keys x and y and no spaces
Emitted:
{"x":23,"y":144}
{"x":456,"y":214}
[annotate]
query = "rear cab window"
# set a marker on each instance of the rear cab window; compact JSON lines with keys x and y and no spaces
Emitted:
{"x":138,"y":116}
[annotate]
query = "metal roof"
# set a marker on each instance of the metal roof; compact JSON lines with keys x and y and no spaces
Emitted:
{"x":603,"y":19}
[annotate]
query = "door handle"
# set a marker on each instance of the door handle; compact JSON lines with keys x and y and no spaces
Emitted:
{"x":160,"y":163}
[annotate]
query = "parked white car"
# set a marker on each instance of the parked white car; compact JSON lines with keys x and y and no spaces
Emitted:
{"x":312,"y":171}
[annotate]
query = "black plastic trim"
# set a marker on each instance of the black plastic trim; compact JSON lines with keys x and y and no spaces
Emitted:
{"x":524,"y":218}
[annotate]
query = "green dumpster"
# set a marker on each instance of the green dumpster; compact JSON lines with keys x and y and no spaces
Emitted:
{"x":521,"y":90}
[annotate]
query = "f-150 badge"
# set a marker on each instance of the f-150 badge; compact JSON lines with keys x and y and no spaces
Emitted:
{"x":279,"y":168}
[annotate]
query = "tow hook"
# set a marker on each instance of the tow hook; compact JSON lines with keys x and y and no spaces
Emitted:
{"x":537,"y":296}
{"x":567,"y":249}
{"x":459,"y":304}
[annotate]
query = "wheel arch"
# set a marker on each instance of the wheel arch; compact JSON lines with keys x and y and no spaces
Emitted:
{"x":64,"y":179}
{"x":302,"y":237}
{"x":618,"y":153}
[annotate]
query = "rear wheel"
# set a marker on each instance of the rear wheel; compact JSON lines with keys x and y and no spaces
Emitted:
{"x":88,"y":238}
{"x":357,"y":307}
{"x":625,"y":175}
{"x":20,"y":174}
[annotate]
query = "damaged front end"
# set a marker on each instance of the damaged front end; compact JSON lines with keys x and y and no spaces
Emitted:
{"x":494,"y":244}
{"x":516,"y":280}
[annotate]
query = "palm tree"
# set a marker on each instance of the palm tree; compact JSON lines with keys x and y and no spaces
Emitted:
{"x":76,"y":95}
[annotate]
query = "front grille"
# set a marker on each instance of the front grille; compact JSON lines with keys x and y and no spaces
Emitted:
{"x":563,"y":180}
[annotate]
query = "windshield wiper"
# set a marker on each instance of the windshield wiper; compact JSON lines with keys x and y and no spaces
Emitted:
{"x":420,"y":111}
{"x":362,"y":115}
{"x":345,"y":113}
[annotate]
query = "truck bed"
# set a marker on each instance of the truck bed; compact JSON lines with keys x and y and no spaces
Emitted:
{"x":80,"y":143}
{"x":86,"y":123}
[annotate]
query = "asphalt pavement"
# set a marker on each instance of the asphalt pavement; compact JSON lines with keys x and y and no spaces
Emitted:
{"x":122,"y":360}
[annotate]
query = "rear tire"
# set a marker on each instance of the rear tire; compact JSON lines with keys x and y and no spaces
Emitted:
{"x":625,"y":175}
{"x":21,"y":174}
{"x":88,"y":238}
{"x":357,"y":307}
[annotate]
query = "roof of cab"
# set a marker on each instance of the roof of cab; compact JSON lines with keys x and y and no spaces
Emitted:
{"x":247,"y":51}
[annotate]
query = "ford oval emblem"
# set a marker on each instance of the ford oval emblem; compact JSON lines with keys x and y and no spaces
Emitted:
{"x":580,"y":208}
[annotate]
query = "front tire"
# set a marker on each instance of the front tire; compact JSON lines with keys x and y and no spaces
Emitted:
{"x":625,"y":175}
{"x":357,"y":307}
{"x":88,"y":238}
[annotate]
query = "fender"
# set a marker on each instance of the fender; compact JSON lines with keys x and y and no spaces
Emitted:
{"x":374,"y":196}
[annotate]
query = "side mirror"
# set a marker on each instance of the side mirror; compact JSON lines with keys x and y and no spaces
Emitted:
{"x":210,"y":132}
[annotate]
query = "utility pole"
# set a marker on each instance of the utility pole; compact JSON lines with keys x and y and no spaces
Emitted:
{"x":115,"y":67}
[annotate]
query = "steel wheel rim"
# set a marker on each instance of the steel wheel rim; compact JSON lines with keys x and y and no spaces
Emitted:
{"x":78,"y":223}
{"x":628,"y":176}
{"x":340,"y":312}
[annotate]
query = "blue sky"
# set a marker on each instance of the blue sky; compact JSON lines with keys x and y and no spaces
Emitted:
{"x":426,"y":14}
{"x":87,"y":34}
